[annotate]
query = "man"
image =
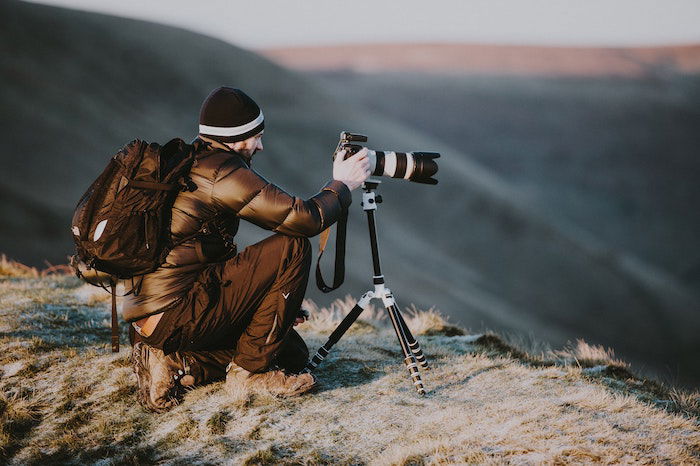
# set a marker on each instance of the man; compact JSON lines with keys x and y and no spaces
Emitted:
{"x":210,"y":311}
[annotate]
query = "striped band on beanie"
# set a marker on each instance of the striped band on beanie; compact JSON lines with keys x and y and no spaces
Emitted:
{"x":230,"y":115}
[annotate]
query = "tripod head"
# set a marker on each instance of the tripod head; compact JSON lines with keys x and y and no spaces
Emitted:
{"x":371,"y":184}
{"x":369,"y":199}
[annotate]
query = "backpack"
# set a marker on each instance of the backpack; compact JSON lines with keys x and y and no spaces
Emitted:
{"x":121,"y":225}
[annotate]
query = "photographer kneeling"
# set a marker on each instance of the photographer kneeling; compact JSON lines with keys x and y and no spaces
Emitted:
{"x":208,"y":311}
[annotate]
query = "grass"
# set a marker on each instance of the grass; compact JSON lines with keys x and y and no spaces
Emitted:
{"x":217,"y":422}
{"x":14,"y":269}
{"x":65,"y":398}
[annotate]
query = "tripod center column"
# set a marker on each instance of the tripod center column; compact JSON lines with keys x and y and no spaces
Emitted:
{"x":369,"y":205}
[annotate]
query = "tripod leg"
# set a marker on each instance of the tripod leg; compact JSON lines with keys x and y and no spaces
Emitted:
{"x":339,"y":332}
{"x":413,"y":344}
{"x":409,"y":359}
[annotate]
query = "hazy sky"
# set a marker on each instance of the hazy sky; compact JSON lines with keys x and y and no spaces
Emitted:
{"x":274,"y":23}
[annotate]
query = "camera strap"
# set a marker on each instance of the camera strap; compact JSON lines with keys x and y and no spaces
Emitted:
{"x":339,"y":272}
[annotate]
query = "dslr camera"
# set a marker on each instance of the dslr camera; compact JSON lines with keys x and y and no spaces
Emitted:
{"x":413,"y":166}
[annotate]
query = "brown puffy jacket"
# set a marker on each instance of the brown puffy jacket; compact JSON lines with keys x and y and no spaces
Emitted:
{"x":227,"y":190}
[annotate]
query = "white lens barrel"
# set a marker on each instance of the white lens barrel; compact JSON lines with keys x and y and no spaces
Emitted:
{"x":391,"y":161}
{"x":372,"y":160}
{"x":410,"y":165}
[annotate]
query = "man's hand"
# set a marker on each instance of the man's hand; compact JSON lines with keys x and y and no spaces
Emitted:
{"x":353,"y":171}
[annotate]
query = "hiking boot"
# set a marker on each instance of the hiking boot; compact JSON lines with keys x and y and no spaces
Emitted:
{"x":161,"y":379}
{"x":275,"y":382}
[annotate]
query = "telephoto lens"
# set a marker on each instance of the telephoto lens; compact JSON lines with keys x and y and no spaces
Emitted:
{"x":412,"y":166}
{"x":419,"y":167}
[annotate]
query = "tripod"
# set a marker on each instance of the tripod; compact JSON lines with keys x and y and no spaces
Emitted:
{"x":413,"y":356}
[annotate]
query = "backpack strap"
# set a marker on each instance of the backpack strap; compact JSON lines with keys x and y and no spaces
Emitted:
{"x":153,"y":185}
{"x":115,"y":321}
{"x":339,"y":271}
{"x":199,"y":251}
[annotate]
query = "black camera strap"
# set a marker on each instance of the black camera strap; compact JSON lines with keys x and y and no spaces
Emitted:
{"x":339,"y":272}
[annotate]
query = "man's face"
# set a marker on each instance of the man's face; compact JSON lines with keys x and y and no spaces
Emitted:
{"x":249,"y":146}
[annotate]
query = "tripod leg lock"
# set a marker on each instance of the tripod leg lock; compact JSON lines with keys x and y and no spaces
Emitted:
{"x":365,"y":299}
{"x":418,"y":354}
{"x":316,"y":360}
{"x":381,"y":291}
{"x":412,"y":367}
{"x":411,"y":364}
{"x":388,"y":298}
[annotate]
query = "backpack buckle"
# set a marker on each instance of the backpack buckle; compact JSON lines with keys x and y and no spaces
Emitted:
{"x":189,"y":185}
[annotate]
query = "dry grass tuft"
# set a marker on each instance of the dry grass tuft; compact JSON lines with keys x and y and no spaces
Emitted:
{"x":687,"y":403}
{"x":584,"y":355}
{"x":239,"y":395}
{"x":325,"y":320}
{"x":430,"y":322}
{"x":217,"y":422}
{"x":18,"y":414}
{"x":13,"y":269}
{"x":270,"y":455}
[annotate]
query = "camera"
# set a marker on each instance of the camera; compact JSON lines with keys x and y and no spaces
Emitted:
{"x":413,"y":166}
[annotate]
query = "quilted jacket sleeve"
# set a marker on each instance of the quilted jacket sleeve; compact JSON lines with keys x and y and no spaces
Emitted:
{"x":240,"y":189}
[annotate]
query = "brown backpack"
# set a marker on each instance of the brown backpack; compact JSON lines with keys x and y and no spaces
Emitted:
{"x":121,"y":225}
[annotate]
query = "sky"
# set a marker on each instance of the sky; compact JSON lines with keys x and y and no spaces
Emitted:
{"x":278,"y":23}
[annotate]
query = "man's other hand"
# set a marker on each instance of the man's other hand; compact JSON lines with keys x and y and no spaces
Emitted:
{"x":353,"y":171}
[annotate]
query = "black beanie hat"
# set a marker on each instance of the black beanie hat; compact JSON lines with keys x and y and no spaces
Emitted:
{"x":229,"y":115}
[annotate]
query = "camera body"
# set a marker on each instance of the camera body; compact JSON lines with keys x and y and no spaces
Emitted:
{"x":418,"y":167}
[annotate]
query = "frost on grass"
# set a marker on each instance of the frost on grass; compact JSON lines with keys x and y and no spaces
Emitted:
{"x":66,"y":399}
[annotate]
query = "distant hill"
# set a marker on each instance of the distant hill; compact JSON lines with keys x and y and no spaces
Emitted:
{"x":65,"y":399}
{"x":492,"y":59}
{"x":76,"y":86}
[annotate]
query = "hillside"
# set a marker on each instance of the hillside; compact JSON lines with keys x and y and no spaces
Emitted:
{"x":615,"y":156}
{"x":77,"y":86}
{"x":492,"y":59}
{"x":66,"y":399}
